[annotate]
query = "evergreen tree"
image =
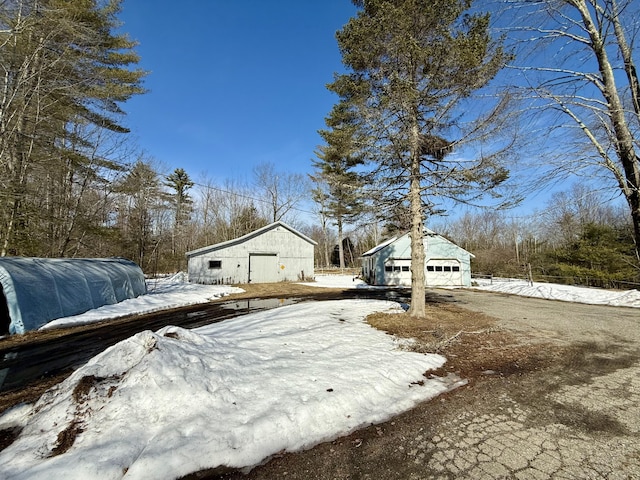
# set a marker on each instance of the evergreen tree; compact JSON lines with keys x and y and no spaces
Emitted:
{"x":246,"y":220}
{"x":182,"y":204}
{"x":65,"y":75}
{"x":413,"y":62}
{"x":602,"y":255}
{"x":180,"y":183}
{"x":140,"y":200}
{"x":342,"y":199}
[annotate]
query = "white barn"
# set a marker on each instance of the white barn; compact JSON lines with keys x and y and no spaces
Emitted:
{"x":389,"y":263}
{"x":275,"y":253}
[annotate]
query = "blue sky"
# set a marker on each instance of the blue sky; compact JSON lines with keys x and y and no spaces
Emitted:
{"x":233,"y":84}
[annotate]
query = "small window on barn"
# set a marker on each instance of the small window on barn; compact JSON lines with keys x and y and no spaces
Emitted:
{"x":447,"y":269}
{"x":215,"y":263}
{"x":455,"y":269}
{"x":429,"y":268}
{"x":438,"y":268}
{"x":388,"y":268}
{"x":405,"y":268}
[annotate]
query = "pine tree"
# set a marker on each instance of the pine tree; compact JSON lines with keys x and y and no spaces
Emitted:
{"x":342,"y":197}
{"x":412,"y":62}
{"x":66,"y":75}
{"x":140,"y":198}
{"x":180,"y":184}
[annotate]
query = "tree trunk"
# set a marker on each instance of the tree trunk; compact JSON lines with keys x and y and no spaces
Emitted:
{"x":623,"y":137}
{"x":340,"y":245}
{"x":417,"y":308}
{"x":327,"y":258}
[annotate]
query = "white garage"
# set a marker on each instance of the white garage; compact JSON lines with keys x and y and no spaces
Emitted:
{"x":446,"y":264}
{"x":274,"y":253}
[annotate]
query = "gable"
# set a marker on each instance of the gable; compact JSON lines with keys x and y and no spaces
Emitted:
{"x":400,"y":247}
{"x":248,"y":237}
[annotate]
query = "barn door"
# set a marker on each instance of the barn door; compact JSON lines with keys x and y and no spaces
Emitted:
{"x":263,"y":268}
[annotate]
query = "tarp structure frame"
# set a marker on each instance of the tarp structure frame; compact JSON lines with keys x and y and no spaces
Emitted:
{"x":38,"y":290}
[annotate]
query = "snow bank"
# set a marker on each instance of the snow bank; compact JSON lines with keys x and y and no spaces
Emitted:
{"x":567,"y":293}
{"x":162,"y":294}
{"x":162,"y":405}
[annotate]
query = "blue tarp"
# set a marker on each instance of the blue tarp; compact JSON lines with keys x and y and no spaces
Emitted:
{"x":38,"y":290}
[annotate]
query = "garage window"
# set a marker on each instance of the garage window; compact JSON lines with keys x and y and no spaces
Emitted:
{"x":215,"y":264}
{"x":430,"y":268}
{"x":455,"y":269}
{"x":388,"y":268}
{"x":438,"y":268}
{"x":405,"y":268}
{"x":447,"y":268}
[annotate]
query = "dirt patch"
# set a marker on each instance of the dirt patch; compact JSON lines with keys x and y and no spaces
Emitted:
{"x":472,"y":343}
{"x":66,"y":439}
{"x":8,"y":436}
{"x":276,"y":290}
{"x":29,"y":394}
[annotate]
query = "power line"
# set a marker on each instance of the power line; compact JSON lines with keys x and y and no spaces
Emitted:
{"x":127,"y":167}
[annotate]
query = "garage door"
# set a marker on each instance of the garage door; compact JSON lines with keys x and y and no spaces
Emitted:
{"x":443,"y":273}
{"x":263,"y":268}
{"x":397,"y":272}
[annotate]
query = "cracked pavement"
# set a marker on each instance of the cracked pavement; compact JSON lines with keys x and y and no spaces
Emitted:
{"x":514,"y":441}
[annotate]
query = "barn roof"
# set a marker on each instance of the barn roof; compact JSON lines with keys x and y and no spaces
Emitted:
{"x":38,"y":290}
{"x":427,"y":233}
{"x":248,"y":236}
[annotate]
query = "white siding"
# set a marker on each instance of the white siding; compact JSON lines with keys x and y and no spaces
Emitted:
{"x":274,"y":253}
{"x":446,"y":264}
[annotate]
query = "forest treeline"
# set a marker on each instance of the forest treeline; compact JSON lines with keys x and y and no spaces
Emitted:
{"x":575,"y":237}
{"x":72,"y":184}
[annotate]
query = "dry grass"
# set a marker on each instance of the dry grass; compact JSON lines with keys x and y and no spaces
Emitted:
{"x":254,"y":290}
{"x":471,"y":342}
{"x":441,"y":320}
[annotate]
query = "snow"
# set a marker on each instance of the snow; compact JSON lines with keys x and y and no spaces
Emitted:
{"x":163,"y":294}
{"x":164,"y":404}
{"x":566,"y":293}
{"x":174,"y":292}
{"x":161,"y":405}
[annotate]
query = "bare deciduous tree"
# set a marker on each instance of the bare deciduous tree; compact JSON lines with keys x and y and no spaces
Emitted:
{"x":582,"y":67}
{"x":280,"y":192}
